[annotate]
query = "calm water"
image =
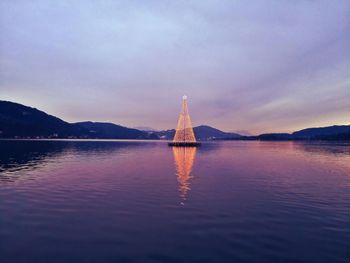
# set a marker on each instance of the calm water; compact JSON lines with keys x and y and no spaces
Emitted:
{"x":110,"y":201}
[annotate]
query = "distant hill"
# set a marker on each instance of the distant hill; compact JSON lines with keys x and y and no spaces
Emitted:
{"x":145,"y":128}
{"x":202,"y":133}
{"x":243,"y":132}
{"x":19,"y":121}
{"x":274,"y":136}
{"x":112,"y":131}
{"x":323,"y":132}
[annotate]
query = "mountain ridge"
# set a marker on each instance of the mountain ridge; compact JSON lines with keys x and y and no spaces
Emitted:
{"x":20,"y":121}
{"x":201,"y":132}
{"x":107,"y":130}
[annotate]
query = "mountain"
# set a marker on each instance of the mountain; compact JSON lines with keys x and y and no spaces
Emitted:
{"x":145,"y":128}
{"x":274,"y":136}
{"x":323,"y":132}
{"x":112,"y":131}
{"x":19,"y":121}
{"x":243,"y":132}
{"x":202,"y":133}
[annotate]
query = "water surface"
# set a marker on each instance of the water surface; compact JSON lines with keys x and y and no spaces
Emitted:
{"x":120,"y":201}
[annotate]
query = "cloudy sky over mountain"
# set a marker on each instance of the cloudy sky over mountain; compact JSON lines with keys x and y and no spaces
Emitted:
{"x":260,"y":66}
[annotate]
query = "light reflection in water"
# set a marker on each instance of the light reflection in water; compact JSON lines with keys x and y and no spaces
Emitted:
{"x":184,"y":158}
{"x":272,"y":198}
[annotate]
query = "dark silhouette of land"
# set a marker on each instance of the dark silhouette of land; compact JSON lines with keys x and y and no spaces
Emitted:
{"x":19,"y":121}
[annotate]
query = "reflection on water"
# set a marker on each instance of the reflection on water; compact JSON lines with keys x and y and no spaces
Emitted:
{"x":118,"y":201}
{"x":336,"y":148}
{"x":184,"y":158}
{"x":28,"y":155}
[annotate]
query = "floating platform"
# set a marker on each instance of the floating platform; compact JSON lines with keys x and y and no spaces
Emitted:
{"x":184,"y":144}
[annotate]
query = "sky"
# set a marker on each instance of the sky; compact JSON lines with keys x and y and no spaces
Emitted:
{"x":257,"y":66}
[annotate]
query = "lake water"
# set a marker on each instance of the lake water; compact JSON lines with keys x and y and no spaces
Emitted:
{"x":119,"y":201}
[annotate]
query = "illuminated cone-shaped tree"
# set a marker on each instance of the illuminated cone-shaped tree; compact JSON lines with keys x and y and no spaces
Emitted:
{"x":184,"y":134}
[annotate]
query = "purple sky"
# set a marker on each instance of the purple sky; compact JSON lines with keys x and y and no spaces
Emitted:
{"x":260,"y":66}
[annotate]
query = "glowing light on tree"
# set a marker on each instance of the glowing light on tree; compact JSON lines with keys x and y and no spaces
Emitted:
{"x":184,"y":134}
